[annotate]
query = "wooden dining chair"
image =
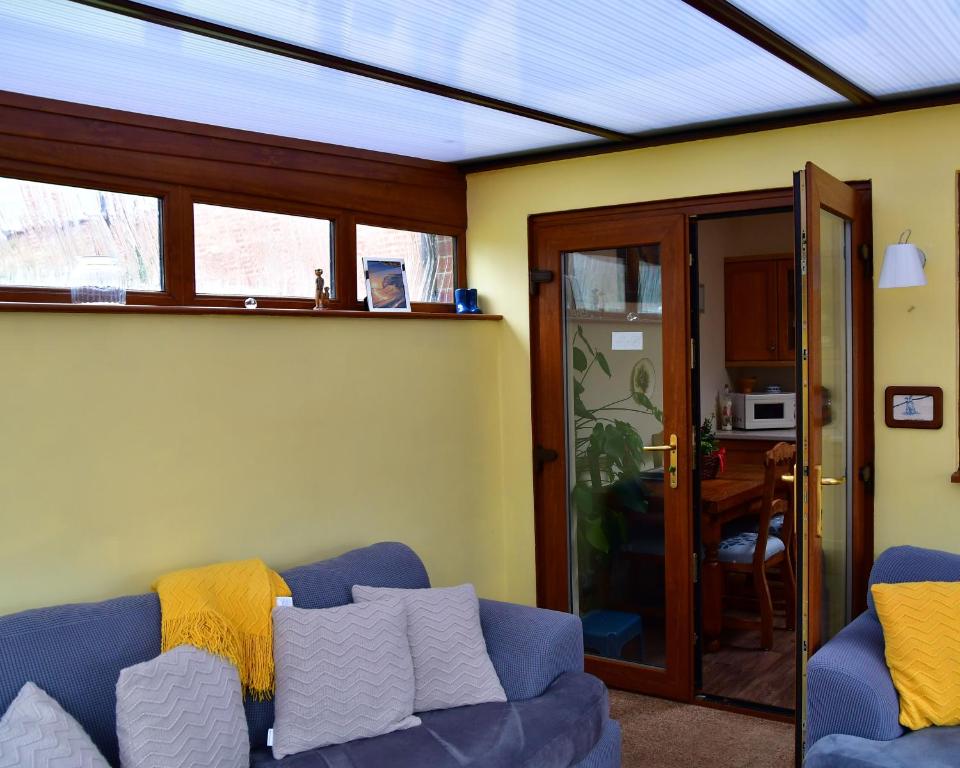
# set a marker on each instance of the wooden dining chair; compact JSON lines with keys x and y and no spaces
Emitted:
{"x":756,"y":553}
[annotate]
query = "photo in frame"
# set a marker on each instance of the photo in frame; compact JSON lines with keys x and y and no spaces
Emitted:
{"x":386,"y":282}
{"x":914,"y":407}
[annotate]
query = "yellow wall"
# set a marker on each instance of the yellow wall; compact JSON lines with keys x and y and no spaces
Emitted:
{"x":132,"y":445}
{"x":912,"y":158}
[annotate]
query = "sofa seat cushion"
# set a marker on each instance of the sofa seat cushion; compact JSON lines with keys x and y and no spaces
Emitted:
{"x":555,"y":730}
{"x":930,"y":748}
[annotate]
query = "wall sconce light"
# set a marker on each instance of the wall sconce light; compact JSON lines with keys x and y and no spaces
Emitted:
{"x":903,"y":264}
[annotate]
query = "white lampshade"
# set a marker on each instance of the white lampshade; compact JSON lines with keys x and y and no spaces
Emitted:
{"x":903,"y":266}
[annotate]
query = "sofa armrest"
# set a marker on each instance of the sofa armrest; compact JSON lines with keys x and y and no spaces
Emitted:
{"x":530,"y":647}
{"x":849,"y":689}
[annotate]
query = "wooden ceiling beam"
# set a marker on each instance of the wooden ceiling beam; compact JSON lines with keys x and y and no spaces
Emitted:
{"x":746,"y":26}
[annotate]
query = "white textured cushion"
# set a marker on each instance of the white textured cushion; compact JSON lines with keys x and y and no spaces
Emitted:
{"x":450,"y":657}
{"x":183,"y":709}
{"x":342,"y":673}
{"x":36,"y":732}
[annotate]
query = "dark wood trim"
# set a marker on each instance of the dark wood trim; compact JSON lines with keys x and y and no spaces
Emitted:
{"x":862,"y":398}
{"x":182,"y":163}
{"x":955,"y":477}
{"x":212,"y":30}
{"x":740,"y":709}
{"x":939,"y":98}
{"x":894,"y":423}
{"x":419,"y":312}
{"x":761,"y":35}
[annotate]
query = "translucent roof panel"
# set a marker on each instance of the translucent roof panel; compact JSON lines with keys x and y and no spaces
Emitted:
{"x":62,"y":50}
{"x":885,"y":46}
{"x":621,"y":64}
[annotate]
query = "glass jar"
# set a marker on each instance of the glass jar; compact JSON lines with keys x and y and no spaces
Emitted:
{"x":98,"y":280}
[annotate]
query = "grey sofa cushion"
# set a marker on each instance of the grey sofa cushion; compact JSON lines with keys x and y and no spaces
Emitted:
{"x":450,"y":657}
{"x":341,"y":674}
{"x":556,"y":730}
{"x":35,"y":732}
{"x":931,"y":748}
{"x":180,"y":710}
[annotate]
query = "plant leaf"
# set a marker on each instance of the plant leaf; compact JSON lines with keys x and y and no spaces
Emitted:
{"x":581,"y":410}
{"x":597,"y":537}
{"x":578,"y":388}
{"x":602,"y":362}
{"x":579,"y":360}
{"x":584,"y":338}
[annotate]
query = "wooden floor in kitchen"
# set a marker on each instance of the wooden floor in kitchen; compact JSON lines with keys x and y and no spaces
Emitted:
{"x":741,"y":670}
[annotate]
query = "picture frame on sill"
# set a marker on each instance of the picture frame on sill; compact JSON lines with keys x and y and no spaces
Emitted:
{"x":386,"y":282}
{"x":913,"y":407}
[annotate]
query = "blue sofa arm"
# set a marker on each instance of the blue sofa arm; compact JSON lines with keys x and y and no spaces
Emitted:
{"x":530,"y":647}
{"x":849,"y":689}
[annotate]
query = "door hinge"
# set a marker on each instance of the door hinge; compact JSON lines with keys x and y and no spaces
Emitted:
{"x":693,"y":354}
{"x":695,"y":570}
{"x":538,"y":276}
{"x":542,"y":455}
{"x":696,"y":637}
{"x":691,"y":258}
{"x":866,"y":475}
{"x":867,"y":255}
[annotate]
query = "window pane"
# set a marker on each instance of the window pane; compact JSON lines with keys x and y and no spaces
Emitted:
{"x":429,"y":259}
{"x":255,"y":253}
{"x":45,"y":229}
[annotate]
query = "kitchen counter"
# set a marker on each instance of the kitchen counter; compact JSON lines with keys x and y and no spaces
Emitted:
{"x":785,"y":435}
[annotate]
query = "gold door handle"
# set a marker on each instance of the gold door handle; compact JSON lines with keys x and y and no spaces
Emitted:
{"x":822,"y":481}
{"x":788,"y":478}
{"x":671,"y":449}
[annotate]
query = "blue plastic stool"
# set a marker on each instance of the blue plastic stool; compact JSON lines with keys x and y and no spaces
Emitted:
{"x":606,"y":632}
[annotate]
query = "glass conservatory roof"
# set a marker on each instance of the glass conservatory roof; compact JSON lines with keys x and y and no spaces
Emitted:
{"x":465,"y":80}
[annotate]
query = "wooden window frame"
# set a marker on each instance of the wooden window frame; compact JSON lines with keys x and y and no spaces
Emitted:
{"x":185,"y":163}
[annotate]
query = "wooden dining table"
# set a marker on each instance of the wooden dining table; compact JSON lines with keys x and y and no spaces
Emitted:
{"x":723,"y":499}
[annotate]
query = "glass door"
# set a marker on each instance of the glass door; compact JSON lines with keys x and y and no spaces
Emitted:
{"x":827,"y":213}
{"x":613,"y":429}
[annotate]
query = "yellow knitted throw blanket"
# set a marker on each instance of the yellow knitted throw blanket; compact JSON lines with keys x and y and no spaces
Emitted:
{"x":225,"y":609}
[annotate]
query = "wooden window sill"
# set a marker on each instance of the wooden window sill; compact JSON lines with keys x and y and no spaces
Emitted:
{"x":154,"y":309}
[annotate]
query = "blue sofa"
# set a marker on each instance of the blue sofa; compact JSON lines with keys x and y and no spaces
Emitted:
{"x":853,"y":716}
{"x":556,"y":715}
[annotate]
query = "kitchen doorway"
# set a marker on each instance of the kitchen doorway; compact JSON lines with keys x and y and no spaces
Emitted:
{"x":746,"y":406}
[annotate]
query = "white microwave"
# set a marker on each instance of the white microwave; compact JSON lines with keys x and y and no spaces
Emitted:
{"x":765,"y":410}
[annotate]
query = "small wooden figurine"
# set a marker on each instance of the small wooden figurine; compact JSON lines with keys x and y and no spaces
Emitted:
{"x":322,"y":293}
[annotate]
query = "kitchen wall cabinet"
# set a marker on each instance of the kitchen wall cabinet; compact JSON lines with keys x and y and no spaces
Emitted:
{"x":760,"y":311}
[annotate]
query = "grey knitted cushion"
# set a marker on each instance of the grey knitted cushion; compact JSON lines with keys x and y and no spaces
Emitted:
{"x":450,"y":657}
{"x":342,"y":673}
{"x":36,"y":732}
{"x":183,"y":709}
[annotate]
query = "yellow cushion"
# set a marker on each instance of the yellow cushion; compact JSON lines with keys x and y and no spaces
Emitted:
{"x":921,"y":629}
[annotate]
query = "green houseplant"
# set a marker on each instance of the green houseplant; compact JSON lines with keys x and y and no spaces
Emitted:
{"x":608,"y":452}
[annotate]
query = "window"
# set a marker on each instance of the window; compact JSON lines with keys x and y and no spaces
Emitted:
{"x":202,"y":219}
{"x":240,"y":252}
{"x":45,"y":229}
{"x":429,"y":258}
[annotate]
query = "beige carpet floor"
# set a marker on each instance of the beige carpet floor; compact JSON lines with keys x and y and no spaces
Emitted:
{"x":664,"y":734}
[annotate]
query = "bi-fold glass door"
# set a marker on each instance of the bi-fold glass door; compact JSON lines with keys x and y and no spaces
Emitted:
{"x":613,"y":430}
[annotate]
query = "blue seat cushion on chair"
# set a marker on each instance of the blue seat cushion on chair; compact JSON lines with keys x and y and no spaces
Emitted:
{"x":608,"y":631}
{"x":555,"y":730}
{"x":740,"y":548}
{"x":776,"y":526}
{"x":929,"y":748}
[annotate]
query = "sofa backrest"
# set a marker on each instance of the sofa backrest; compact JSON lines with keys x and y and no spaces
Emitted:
{"x":901,"y":564}
{"x":76,"y":652}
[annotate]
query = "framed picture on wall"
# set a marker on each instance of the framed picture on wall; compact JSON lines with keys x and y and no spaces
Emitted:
{"x":386,"y":281}
{"x":914,"y":407}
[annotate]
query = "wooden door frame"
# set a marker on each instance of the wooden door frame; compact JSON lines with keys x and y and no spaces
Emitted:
{"x":548,"y":571}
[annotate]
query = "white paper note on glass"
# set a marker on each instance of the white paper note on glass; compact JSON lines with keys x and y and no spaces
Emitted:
{"x":627,"y":340}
